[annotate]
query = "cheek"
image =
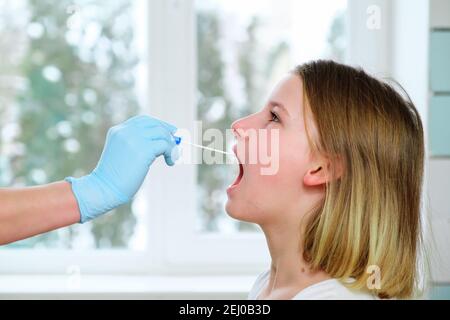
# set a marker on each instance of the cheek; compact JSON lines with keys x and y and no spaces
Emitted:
{"x":289,"y":162}
{"x":292,"y":162}
{"x":261,"y":196}
{"x":293,"y":166}
{"x":272,"y":193}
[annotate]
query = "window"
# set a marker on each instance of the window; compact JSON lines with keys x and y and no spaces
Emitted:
{"x":62,"y":86}
{"x":69,"y":72}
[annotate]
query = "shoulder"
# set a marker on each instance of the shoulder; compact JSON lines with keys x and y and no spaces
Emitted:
{"x":332,"y":289}
{"x":259,"y":284}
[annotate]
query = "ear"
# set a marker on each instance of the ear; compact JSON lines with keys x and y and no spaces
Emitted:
{"x":315,"y":176}
{"x":320,"y":173}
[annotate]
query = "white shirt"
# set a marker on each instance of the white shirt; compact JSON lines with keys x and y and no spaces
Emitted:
{"x":331,"y":289}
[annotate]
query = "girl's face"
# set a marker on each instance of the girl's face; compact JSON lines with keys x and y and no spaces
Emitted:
{"x":296,"y":178}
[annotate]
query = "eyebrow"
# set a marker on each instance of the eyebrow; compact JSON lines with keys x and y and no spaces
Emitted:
{"x":279,"y":104}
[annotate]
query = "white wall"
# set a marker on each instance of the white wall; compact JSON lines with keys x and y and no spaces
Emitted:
{"x":369,"y":35}
{"x":399,"y":49}
{"x":439,"y":179}
{"x":411,"y":24}
{"x":409,"y":59}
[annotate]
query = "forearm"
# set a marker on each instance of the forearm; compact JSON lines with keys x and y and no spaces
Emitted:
{"x":129,"y":151}
{"x":30,"y":211}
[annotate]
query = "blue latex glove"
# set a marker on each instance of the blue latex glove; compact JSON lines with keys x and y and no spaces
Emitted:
{"x":130,"y":149}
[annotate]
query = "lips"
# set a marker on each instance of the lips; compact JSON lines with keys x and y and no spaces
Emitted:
{"x":241,"y":171}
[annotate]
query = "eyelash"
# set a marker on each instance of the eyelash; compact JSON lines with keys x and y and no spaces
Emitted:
{"x":274,"y":115}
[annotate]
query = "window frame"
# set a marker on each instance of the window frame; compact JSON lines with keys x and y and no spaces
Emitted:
{"x":171,"y":72}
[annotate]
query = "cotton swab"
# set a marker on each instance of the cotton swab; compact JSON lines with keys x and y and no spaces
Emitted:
{"x":178,"y":141}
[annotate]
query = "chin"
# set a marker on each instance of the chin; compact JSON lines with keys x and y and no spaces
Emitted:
{"x":241,"y":212}
{"x":233,"y":210}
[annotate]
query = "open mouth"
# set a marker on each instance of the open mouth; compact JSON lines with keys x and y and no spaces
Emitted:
{"x":239,"y":177}
{"x":241,"y":170}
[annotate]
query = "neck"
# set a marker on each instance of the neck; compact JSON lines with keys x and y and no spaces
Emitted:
{"x":288,"y":267}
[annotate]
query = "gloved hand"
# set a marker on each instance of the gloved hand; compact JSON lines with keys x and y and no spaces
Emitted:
{"x":130,"y":149}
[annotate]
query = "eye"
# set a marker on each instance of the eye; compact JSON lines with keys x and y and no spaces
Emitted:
{"x":274,"y":117}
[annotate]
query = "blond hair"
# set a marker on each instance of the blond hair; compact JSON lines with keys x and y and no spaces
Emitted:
{"x":370,"y":215}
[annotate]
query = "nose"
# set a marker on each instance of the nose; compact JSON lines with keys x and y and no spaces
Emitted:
{"x":235,"y":127}
{"x":241,"y":126}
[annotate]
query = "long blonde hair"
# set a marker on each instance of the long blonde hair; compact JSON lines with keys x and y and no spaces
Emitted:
{"x":370,"y":215}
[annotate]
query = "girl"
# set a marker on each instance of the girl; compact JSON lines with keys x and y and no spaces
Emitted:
{"x":341,"y":215}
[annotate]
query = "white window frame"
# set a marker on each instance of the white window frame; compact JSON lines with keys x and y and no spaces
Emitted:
{"x":171,"y":191}
{"x":173,"y":82}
